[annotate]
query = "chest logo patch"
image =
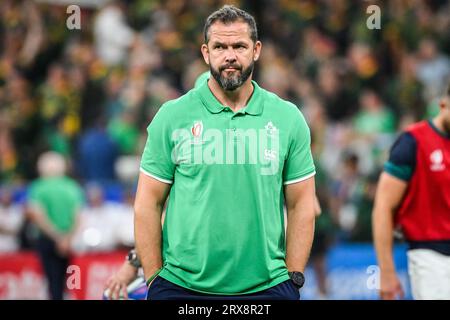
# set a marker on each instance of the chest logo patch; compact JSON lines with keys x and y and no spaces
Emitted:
{"x":197,"y":129}
{"x":437,"y":161}
{"x":271,"y":129}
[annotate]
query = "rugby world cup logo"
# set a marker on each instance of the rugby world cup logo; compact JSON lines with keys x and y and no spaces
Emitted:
{"x":197,"y":129}
{"x":437,"y":159}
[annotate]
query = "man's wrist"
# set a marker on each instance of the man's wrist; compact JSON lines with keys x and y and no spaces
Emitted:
{"x":387,"y":267}
{"x":297,"y":278}
{"x":56,"y":236}
{"x":133,"y":259}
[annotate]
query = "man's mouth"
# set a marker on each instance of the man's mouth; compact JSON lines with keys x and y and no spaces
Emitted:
{"x":230,"y":69}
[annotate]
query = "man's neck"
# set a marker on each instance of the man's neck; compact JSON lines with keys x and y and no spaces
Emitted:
{"x":439,"y":124}
{"x":236,"y":99}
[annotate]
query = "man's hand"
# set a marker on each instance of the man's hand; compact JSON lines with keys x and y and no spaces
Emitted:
{"x":390,"y":286}
{"x":117,"y":283}
{"x":63,"y":245}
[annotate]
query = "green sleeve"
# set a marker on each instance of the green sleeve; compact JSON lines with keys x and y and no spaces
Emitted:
{"x":299,"y":164}
{"x":156,"y":159}
{"x":402,"y":172}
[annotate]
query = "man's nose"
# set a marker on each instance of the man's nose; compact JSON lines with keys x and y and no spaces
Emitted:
{"x":230,"y":55}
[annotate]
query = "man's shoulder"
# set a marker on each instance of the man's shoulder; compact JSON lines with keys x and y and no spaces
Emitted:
{"x":180,"y":104}
{"x":279,"y":105}
{"x":417,"y":127}
{"x":404,"y":142}
{"x":177,"y":102}
{"x":34,"y":185}
{"x":37,"y":187}
{"x":59,"y":183}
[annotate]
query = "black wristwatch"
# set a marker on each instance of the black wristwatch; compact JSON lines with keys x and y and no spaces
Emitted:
{"x":133,"y":259}
{"x":297,"y":278}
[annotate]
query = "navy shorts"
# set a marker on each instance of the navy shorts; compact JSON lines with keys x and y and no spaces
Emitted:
{"x":161,"y":289}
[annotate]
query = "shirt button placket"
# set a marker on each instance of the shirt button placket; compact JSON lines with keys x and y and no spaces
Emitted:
{"x":233,"y":122}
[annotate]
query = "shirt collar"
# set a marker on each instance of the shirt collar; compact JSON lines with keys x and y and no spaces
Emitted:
{"x":254,"y":106}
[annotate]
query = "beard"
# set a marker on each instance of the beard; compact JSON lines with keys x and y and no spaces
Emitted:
{"x":233,"y":80}
{"x":446,"y":125}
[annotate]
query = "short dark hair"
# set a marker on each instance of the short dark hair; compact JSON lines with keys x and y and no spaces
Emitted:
{"x":228,"y":14}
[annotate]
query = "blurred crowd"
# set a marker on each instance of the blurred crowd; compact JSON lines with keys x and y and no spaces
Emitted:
{"x":89,"y":94}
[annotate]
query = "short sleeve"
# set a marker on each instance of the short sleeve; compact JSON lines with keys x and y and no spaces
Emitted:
{"x":156,"y":160}
{"x":35,"y":196}
{"x":299,"y":164}
{"x":402,"y":157}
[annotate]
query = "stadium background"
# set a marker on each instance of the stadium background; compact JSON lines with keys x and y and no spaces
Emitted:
{"x":90,"y":93}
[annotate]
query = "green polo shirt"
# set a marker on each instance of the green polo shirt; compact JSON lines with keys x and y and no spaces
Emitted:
{"x":224,"y":226}
{"x":59,"y":198}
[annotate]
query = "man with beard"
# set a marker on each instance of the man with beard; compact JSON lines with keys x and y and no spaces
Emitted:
{"x":414,"y":194}
{"x":229,"y":155}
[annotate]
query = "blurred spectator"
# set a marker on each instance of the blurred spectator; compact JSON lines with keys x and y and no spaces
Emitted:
{"x":127,"y":170}
{"x":404,"y":91}
{"x":315,"y":114}
{"x":96,"y":155}
{"x":60,"y":110}
{"x":124,"y":132}
{"x":374,"y":117}
{"x":113,"y":37}
{"x":325,"y":227}
{"x":343,"y":190}
{"x":374,"y":127}
{"x":433,"y":69}
{"x":363,"y":201}
{"x":338,"y":101}
{"x":103,"y":223}
{"x":8,"y":155}
{"x":273,"y":71}
{"x":11,"y":220}
{"x":113,"y":105}
{"x":364,"y":64}
{"x":54,"y":201}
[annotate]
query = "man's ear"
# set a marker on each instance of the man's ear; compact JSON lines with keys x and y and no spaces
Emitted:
{"x":205,"y":53}
{"x":444,"y":102}
{"x":257,"y":50}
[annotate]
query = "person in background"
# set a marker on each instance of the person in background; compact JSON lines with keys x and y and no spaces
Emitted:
{"x":414,"y":194}
{"x":53,"y":203}
{"x":11,"y":221}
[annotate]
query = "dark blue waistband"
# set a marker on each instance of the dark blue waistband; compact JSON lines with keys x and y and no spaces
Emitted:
{"x":441,"y":246}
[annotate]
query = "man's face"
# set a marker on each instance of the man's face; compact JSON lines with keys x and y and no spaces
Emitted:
{"x":230,"y":53}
